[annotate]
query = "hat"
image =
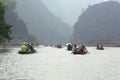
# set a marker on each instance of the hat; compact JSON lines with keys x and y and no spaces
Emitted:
{"x":24,"y":43}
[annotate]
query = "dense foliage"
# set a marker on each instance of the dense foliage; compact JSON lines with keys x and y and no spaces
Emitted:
{"x":19,"y":29}
{"x":4,"y":27}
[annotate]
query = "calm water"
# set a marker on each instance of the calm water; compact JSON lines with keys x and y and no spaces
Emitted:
{"x":58,"y":64}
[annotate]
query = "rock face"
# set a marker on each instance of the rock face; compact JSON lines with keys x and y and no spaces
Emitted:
{"x":19,"y":27}
{"x":98,"y":22}
{"x":43,"y":24}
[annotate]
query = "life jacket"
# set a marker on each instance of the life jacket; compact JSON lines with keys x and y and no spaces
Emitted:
{"x":23,"y":48}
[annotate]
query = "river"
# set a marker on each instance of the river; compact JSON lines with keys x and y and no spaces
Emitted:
{"x":59,"y":64}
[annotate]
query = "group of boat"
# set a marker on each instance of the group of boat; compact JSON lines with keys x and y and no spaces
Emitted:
{"x":81,"y":49}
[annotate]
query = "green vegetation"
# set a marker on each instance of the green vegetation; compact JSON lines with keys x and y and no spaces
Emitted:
{"x":4,"y":27}
{"x":19,"y":27}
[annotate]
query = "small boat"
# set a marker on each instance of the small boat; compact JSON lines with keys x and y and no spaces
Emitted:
{"x":59,"y":46}
{"x":100,"y":48}
{"x":20,"y":52}
{"x":80,"y":53}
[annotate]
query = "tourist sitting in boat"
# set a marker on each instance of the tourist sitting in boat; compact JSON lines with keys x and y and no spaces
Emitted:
{"x":69,"y":47}
{"x":100,"y":46}
{"x":31,"y":48}
{"x":81,"y":50}
{"x":27,"y":48}
{"x":74,"y":49}
{"x":24,"y":48}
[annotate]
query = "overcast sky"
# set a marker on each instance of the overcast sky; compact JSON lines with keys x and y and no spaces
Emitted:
{"x":69,"y":10}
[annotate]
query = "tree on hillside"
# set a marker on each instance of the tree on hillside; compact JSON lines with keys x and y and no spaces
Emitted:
{"x":19,"y":27}
{"x":4,"y":27}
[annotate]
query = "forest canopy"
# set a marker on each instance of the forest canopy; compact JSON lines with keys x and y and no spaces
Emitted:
{"x":5,"y":28}
{"x":19,"y":28}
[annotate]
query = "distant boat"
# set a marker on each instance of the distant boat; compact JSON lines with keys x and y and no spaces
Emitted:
{"x":58,"y":46}
{"x":100,"y":46}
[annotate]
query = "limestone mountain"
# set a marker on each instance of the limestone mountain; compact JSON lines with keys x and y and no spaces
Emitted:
{"x":19,"y":27}
{"x":98,"y":22}
{"x":42,"y":23}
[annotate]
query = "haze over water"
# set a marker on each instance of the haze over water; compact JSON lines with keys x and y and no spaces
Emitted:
{"x":69,"y":10}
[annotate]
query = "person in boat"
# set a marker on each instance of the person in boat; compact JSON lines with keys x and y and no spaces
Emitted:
{"x":82,"y":49}
{"x":74,"y":49}
{"x":24,"y":47}
{"x":31,"y":48}
{"x":100,"y":46}
{"x":69,"y":47}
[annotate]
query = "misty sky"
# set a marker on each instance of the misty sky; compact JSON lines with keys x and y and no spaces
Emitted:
{"x":69,"y":10}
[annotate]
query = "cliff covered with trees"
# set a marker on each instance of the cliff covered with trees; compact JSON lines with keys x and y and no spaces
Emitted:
{"x":5,"y":28}
{"x":98,"y":22}
{"x":19,"y":28}
{"x":42,"y":23}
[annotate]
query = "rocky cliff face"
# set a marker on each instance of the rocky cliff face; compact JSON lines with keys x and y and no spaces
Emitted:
{"x":98,"y":22}
{"x":42,"y":23}
{"x":19,"y":27}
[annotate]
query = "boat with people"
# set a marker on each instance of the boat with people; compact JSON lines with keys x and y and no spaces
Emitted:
{"x":69,"y":46}
{"x":27,"y":49}
{"x":20,"y":52}
{"x":80,"y":50}
{"x":58,"y":46}
{"x":100,"y":46}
